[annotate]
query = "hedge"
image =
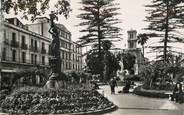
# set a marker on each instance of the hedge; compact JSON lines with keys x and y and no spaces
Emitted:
{"x":142,"y":92}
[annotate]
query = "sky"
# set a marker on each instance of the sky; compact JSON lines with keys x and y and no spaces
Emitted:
{"x":132,"y":16}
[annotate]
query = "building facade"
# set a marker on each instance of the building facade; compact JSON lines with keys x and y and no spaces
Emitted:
{"x":21,"y":49}
{"x":24,"y":46}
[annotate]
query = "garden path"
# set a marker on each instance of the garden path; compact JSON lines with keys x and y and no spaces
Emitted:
{"x":130,"y":104}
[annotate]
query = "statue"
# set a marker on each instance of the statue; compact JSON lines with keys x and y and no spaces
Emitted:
{"x":55,"y":60}
{"x":55,"y":44}
{"x":121,"y":72}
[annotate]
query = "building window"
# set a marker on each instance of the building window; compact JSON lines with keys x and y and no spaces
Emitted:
{"x":14,"y":43}
{"x":4,"y":54}
{"x":31,"y":42}
{"x":131,"y":35}
{"x":66,"y":56}
{"x":36,"y":47}
{"x":4,"y":34}
{"x":69,"y":66}
{"x":73,"y":66}
{"x":32,"y":58}
{"x":43,"y":45}
{"x":66,"y":65}
{"x":23,"y":40}
{"x":43,"y":60}
{"x":69,"y":56}
{"x":13,"y":37}
{"x":131,"y":45}
{"x":76,"y":67}
{"x":5,"y":39}
{"x":43,"y":50}
{"x":23,"y":57}
{"x":75,"y":57}
{"x":63,"y":55}
{"x":68,"y":36}
{"x":35,"y":59}
{"x":49,"y":52}
{"x":23,"y":45}
{"x":14,"y":55}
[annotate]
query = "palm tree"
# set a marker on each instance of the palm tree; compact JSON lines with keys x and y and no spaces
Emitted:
{"x":142,"y":39}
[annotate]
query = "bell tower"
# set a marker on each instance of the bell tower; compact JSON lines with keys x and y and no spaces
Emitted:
{"x":132,"y":39}
{"x":133,"y":49}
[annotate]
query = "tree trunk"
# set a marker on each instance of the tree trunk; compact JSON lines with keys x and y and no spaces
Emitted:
{"x":166,"y":31}
{"x":143,"y":53}
{"x":99,"y":42}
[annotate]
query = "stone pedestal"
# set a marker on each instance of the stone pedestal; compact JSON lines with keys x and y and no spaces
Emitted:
{"x":52,"y":84}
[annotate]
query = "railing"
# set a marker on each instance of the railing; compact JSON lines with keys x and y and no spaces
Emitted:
{"x":6,"y":42}
{"x":14,"y":44}
{"x":34,"y":49}
{"x":43,"y":51}
{"x":24,"y":46}
{"x":3,"y":56}
{"x":8,"y":59}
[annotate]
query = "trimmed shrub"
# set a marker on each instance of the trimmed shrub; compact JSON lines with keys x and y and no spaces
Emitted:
{"x":34,"y":100}
{"x":139,"y":91}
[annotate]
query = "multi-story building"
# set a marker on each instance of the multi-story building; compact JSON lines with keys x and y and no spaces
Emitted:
{"x":21,"y":49}
{"x":25,"y":46}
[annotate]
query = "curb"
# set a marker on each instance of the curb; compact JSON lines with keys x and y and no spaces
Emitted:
{"x":106,"y":110}
{"x":145,"y":93}
{"x":97,"y":112}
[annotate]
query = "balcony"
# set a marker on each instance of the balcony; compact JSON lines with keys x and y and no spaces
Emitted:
{"x":6,"y":42}
{"x":49,"y":51}
{"x":24,"y":46}
{"x":33,"y":49}
{"x":43,"y":51}
{"x":4,"y":56}
{"x":14,"y":44}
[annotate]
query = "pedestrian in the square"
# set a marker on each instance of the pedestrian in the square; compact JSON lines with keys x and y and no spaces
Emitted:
{"x":177,"y":92}
{"x":113,"y":84}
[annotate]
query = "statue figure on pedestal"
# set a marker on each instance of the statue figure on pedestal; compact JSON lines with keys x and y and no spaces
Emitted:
{"x":55,"y":60}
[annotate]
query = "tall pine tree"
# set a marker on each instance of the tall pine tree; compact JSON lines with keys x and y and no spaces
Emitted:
{"x":165,"y":17}
{"x":99,"y":22}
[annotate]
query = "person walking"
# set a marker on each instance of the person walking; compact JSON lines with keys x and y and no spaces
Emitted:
{"x":177,"y":92}
{"x":113,"y":84}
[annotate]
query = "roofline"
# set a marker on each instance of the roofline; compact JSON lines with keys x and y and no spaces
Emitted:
{"x":27,"y":31}
{"x":132,"y":31}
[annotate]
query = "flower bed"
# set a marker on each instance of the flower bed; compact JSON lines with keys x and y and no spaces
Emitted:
{"x":33,"y":100}
{"x":150,"y":93}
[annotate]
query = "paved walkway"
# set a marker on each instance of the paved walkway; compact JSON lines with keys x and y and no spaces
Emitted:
{"x":130,"y":104}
